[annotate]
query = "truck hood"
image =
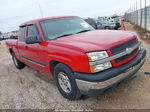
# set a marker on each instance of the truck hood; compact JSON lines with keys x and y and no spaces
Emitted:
{"x":95,"y":40}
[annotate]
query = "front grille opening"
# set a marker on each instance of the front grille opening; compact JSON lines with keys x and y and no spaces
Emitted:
{"x":121,"y":48}
{"x":125,"y":57}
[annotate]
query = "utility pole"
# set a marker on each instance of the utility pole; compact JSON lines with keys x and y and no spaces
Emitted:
{"x":145,"y":14}
{"x":136,"y":13}
{"x":141,"y":10}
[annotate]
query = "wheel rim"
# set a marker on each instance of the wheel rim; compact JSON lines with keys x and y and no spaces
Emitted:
{"x":64,"y":82}
{"x":15,"y":61}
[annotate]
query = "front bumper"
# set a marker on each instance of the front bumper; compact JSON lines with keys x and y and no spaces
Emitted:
{"x":94,"y":84}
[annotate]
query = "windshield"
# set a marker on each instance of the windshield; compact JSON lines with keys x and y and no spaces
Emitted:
{"x":56,"y":28}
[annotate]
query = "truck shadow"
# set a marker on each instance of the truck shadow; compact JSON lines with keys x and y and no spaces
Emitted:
{"x":44,"y":77}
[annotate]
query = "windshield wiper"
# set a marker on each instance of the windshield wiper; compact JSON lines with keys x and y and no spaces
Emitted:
{"x":83,"y":31}
{"x":72,"y":33}
{"x":63,"y":36}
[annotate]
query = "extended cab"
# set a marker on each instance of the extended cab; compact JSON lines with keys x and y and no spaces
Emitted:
{"x":82,"y":60}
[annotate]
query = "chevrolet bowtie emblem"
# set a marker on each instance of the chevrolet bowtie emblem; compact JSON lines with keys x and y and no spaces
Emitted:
{"x":128,"y":50}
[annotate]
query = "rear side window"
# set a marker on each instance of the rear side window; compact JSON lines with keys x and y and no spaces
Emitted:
{"x":22,"y":34}
{"x":32,"y":31}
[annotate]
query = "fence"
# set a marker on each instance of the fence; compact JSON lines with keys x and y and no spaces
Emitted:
{"x":139,"y":14}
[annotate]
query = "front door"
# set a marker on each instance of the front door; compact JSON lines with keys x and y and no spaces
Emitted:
{"x":34,"y":51}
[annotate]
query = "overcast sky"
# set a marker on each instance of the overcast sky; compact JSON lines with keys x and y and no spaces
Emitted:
{"x":14,"y":12}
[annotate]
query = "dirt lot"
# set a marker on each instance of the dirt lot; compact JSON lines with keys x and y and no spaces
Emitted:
{"x":28,"y":88}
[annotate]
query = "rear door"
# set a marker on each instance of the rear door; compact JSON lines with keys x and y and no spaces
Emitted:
{"x":21,"y":41}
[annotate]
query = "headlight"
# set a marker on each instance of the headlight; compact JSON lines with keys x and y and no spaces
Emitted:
{"x":94,"y":56}
{"x":100,"y":67}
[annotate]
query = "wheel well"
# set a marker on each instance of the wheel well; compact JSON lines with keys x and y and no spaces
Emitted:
{"x":52,"y":65}
{"x":11,"y":51}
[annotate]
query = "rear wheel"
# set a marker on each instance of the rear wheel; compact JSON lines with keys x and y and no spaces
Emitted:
{"x":106,"y":28}
{"x":65,"y":82}
{"x":18,"y":64}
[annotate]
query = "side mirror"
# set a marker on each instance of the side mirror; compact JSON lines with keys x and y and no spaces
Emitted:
{"x":32,"y":40}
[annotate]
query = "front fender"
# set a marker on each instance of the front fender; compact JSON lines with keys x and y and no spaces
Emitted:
{"x":78,"y":63}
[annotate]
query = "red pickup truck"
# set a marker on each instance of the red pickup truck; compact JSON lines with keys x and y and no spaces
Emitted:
{"x":82,"y":60}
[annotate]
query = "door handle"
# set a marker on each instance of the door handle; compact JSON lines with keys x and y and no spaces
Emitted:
{"x":26,"y":47}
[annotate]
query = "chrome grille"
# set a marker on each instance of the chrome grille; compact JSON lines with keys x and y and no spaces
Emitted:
{"x":121,"y":48}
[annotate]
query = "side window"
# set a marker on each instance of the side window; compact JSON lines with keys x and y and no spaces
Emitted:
{"x":32,"y":31}
{"x":22,"y":33}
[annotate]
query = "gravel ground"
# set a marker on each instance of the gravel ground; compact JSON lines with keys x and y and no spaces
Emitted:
{"x":29,"y":89}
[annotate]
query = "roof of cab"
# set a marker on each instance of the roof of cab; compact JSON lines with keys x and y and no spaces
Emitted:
{"x":42,"y":19}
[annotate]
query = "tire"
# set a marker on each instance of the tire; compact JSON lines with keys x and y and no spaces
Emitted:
{"x":65,"y":82}
{"x":106,"y":28}
{"x":116,"y":28}
{"x":18,"y":64}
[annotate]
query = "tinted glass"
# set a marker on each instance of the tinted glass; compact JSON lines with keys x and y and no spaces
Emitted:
{"x":54,"y":28}
{"x":32,"y":31}
{"x":22,"y":33}
{"x":92,"y":22}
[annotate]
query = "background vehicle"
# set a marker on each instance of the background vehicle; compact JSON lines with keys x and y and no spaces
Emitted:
{"x":92,"y":22}
{"x":108,"y":25}
{"x":1,"y":38}
{"x":82,"y":60}
{"x":4,"y":37}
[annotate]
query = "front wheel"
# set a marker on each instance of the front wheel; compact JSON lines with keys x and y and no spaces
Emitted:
{"x":65,"y":82}
{"x":18,"y":64}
